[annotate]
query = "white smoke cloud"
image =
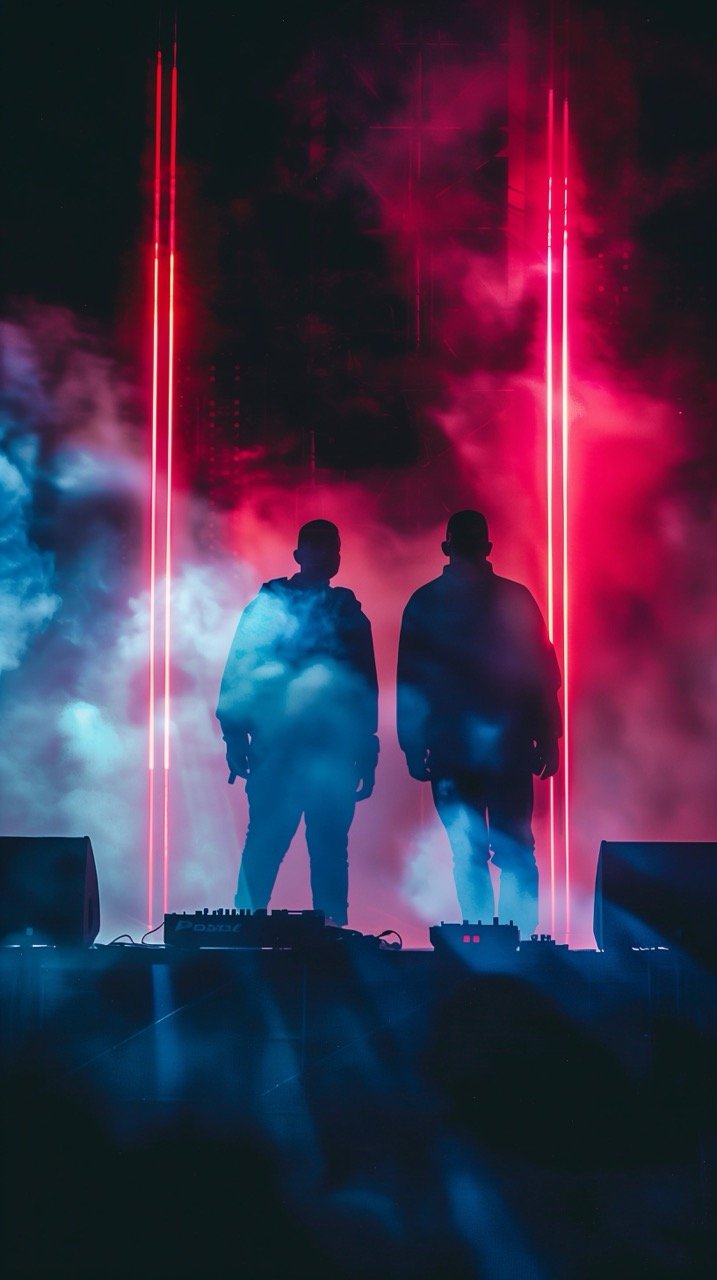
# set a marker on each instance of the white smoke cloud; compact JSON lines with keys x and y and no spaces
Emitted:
{"x":27,"y":600}
{"x":427,"y":876}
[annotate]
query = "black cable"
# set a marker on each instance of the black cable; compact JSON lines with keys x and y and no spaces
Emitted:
{"x":154,"y":930}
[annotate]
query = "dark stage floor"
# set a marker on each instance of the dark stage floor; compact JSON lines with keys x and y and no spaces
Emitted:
{"x":355,"y":1111}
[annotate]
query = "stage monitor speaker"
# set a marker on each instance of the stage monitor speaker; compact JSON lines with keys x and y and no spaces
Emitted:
{"x":657,"y":893}
{"x":48,"y":891}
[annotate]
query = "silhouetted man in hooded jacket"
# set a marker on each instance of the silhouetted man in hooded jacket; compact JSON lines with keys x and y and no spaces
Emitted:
{"x":298,"y":710}
{"x":478,"y":716}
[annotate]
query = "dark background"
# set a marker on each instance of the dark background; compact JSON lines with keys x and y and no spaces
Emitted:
{"x":77,"y":122}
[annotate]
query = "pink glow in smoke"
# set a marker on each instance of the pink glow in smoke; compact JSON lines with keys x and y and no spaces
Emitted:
{"x":161,"y":480}
{"x":151,"y":710}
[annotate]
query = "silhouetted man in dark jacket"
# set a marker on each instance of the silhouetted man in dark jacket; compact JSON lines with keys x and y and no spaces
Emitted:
{"x":478,"y":716}
{"x":298,"y":710}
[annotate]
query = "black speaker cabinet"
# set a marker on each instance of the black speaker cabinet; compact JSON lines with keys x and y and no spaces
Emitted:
{"x":48,"y":890}
{"x":650,"y":894}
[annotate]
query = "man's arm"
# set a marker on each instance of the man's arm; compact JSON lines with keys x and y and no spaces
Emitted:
{"x":364,"y":661}
{"x":236,"y":690}
{"x":548,"y":725}
{"x":411,"y":700}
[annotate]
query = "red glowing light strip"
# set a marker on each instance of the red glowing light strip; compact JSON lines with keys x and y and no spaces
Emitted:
{"x":170,"y":432}
{"x":565,"y":428}
{"x":549,"y":373}
{"x":153,"y":500}
{"x":549,"y":464}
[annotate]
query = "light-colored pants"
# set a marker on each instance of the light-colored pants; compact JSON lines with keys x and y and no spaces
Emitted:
{"x":280,"y":788}
{"x":491,"y":812}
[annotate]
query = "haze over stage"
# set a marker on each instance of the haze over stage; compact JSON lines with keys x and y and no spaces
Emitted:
{"x":553,"y":1112}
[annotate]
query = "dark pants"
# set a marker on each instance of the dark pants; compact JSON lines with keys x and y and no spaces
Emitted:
{"x":280,"y":788}
{"x":484,"y":812}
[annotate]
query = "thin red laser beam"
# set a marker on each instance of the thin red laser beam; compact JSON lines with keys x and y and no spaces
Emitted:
{"x":565,"y":433}
{"x":549,"y":374}
{"x":549,"y":461}
{"x":153,"y":498}
{"x":170,"y":444}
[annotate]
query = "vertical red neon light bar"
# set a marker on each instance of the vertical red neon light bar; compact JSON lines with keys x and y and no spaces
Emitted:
{"x":565,"y":435}
{"x":170,"y":448}
{"x":557,"y":431}
{"x":153,"y":497}
{"x":162,"y":449}
{"x":549,"y":463}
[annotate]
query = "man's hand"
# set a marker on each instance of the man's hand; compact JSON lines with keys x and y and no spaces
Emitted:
{"x":365,"y":783}
{"x":238,"y":757}
{"x":546,"y":758}
{"x":417,"y":762}
{"x":366,"y":767}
